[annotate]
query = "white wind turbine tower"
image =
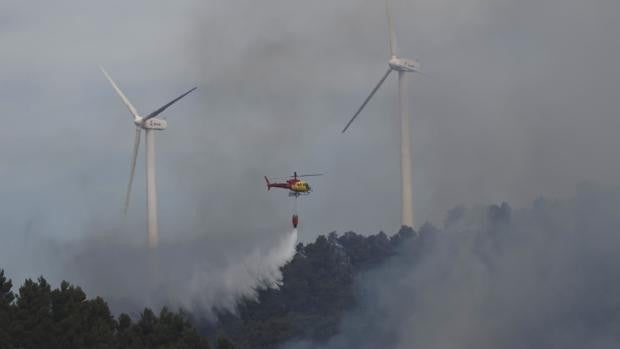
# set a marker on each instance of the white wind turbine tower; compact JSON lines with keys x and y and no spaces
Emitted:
{"x":149,"y":124}
{"x":402,"y":66}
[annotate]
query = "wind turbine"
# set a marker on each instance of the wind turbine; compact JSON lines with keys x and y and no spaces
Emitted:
{"x":402,"y":66}
{"x":149,"y":124}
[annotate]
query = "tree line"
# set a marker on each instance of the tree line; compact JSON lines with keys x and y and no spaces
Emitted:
{"x":316,"y":290}
{"x":38,"y":316}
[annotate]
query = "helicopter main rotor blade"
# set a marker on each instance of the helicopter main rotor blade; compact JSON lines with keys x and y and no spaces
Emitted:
{"x":279,"y":178}
{"x":311,"y":175}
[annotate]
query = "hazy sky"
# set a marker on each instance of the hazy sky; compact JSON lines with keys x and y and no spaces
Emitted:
{"x":520,"y":100}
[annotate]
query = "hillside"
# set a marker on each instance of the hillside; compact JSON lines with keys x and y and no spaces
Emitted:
{"x":543,"y":276}
{"x":316,"y":290}
{"x":38,"y":316}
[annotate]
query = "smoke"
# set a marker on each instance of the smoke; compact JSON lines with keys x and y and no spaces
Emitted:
{"x":541,"y":277}
{"x":193,"y":274}
{"x":277,"y":82}
{"x":259,"y":268}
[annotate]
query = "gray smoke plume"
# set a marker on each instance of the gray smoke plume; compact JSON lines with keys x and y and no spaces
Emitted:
{"x":195,"y":274}
{"x":542,"y":277}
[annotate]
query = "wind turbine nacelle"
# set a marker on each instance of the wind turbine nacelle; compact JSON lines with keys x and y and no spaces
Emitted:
{"x":155,"y":124}
{"x":405,"y":65}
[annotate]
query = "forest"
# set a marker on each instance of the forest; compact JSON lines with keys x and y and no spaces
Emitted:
{"x":542,"y":276}
{"x":315,"y":291}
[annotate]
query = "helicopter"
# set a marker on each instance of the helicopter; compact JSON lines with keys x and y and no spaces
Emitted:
{"x":296,"y":186}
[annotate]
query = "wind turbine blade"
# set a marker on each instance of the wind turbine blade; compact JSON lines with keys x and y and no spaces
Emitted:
{"x":160,"y":110}
{"x":368,"y":98}
{"x":120,"y":93}
{"x":134,"y":158}
{"x":391,"y":29}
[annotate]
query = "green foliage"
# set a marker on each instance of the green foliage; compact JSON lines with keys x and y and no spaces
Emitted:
{"x":317,"y":289}
{"x":39,"y":317}
{"x":6,"y":299}
{"x":169,"y":330}
{"x":81,"y":323}
{"x":32,"y":325}
{"x":223,"y":343}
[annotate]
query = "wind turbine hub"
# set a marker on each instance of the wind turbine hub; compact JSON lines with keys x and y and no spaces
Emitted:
{"x":404,"y":65}
{"x":155,"y":124}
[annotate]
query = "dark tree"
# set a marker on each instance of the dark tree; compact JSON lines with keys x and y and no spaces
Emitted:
{"x":317,"y":289}
{"x":169,"y":330}
{"x":223,"y":343}
{"x":64,"y":318}
{"x":6,"y":301}
{"x":32,"y":325}
{"x":81,"y":323}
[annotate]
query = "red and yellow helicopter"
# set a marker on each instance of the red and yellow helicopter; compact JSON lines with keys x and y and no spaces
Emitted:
{"x":294,"y":184}
{"x":296,"y":187}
